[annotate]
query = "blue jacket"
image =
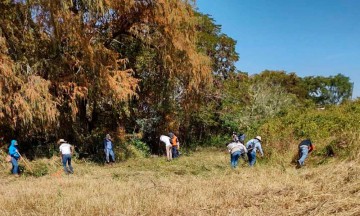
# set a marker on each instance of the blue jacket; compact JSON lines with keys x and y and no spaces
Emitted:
{"x":13,"y":151}
{"x":108,"y":144}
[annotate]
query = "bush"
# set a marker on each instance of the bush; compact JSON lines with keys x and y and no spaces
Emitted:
{"x":39,"y":169}
{"x":218,"y":141}
{"x":134,"y":148}
{"x":333,"y":130}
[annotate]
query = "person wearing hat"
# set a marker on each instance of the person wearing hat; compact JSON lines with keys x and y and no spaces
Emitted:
{"x":66,"y":151}
{"x":15,"y":155}
{"x":253,"y":145}
{"x":108,"y":149}
{"x":234,"y":137}
{"x":305,"y":147}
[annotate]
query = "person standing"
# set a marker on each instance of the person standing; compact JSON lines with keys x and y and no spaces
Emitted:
{"x":108,"y":149}
{"x":175,"y":145}
{"x":15,"y":156}
{"x":236,"y":149}
{"x":252,"y":146}
{"x":66,"y":151}
{"x":168,"y":146}
{"x":305,"y":147}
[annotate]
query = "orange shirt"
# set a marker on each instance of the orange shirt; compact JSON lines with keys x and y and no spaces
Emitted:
{"x":174,"y":141}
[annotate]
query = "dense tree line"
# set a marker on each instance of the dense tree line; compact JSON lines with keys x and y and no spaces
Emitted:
{"x":80,"y":69}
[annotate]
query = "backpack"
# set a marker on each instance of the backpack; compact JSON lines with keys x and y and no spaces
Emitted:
{"x":241,"y":137}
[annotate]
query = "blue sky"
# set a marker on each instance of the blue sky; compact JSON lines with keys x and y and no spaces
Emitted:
{"x":308,"y":37}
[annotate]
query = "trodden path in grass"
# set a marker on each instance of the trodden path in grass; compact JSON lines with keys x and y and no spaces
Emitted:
{"x":200,"y":184}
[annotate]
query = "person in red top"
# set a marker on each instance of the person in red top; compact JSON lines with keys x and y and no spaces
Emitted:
{"x":305,"y":147}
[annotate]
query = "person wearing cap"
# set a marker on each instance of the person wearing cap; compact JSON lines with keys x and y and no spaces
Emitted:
{"x":168,"y":146}
{"x":66,"y":151}
{"x":15,"y":156}
{"x":252,"y":146}
{"x":234,"y":137}
{"x":108,"y":148}
{"x":236,"y":149}
{"x":305,"y":147}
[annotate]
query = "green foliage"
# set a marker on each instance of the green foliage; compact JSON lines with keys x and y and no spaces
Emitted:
{"x":140,"y":146}
{"x":218,"y":46}
{"x":39,"y":169}
{"x":333,"y":130}
{"x":290,"y":82}
{"x":328,"y":90}
{"x":235,"y":99}
{"x":219,"y":141}
{"x":132,"y":147}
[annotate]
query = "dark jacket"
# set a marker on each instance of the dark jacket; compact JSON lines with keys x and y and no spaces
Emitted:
{"x":307,"y":143}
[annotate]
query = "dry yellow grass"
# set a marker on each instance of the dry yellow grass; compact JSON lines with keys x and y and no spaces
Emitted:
{"x":200,"y":184}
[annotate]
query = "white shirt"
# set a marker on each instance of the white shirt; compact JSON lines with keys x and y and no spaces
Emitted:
{"x":65,"y":148}
{"x":236,"y":146}
{"x":165,"y":139}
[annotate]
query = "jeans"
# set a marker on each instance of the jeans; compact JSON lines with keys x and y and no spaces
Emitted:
{"x":234,"y":159}
{"x":108,"y":153}
{"x":175,"y":152}
{"x":15,"y":166}
{"x":251,"y":157}
{"x":66,"y":159}
{"x":303,"y":153}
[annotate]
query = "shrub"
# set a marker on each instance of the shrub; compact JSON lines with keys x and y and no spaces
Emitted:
{"x":334,"y":131}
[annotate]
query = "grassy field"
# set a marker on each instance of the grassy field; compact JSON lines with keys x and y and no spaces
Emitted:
{"x":199,"y":184}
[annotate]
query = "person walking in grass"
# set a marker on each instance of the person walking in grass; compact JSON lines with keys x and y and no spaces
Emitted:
{"x":305,"y":147}
{"x":108,"y":149}
{"x":168,"y":146}
{"x":66,"y":151}
{"x":15,"y":156}
{"x":236,"y":149}
{"x":252,"y":146}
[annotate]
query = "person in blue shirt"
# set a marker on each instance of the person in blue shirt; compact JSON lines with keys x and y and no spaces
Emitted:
{"x":108,"y":148}
{"x":15,"y":156}
{"x":252,"y":146}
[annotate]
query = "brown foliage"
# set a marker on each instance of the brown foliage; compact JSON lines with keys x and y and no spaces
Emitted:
{"x":61,"y":70}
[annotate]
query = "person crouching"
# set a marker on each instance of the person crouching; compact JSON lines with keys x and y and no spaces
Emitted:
{"x":236,"y":149}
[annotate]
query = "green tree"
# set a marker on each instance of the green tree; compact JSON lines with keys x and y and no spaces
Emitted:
{"x":328,"y":90}
{"x":217,"y":45}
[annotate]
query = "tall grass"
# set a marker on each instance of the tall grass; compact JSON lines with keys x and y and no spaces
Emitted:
{"x":334,"y":131}
{"x":200,"y":184}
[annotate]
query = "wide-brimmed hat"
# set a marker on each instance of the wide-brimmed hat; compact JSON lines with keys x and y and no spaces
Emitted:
{"x":258,"y":138}
{"x":61,"y":141}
